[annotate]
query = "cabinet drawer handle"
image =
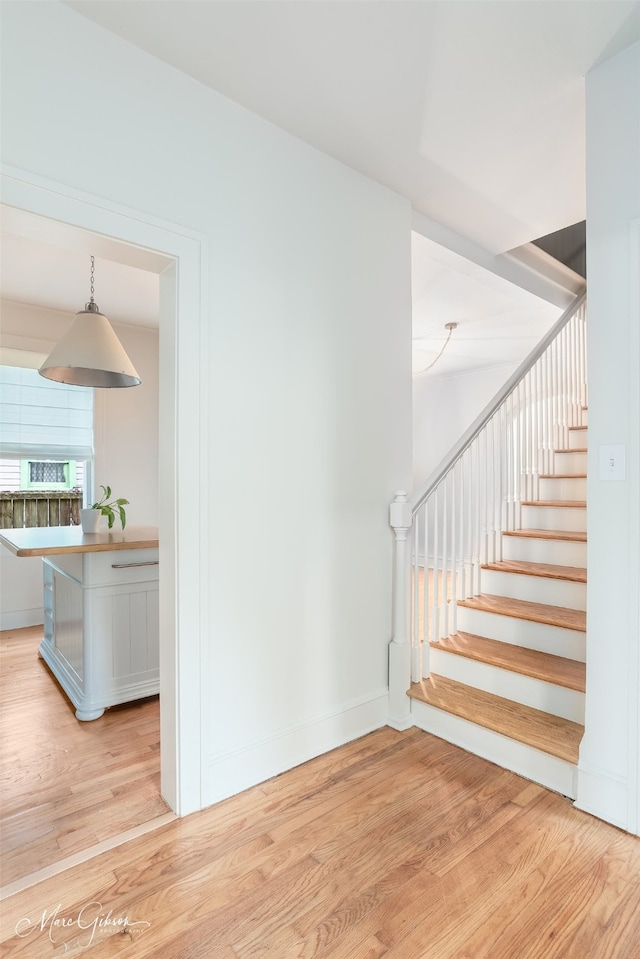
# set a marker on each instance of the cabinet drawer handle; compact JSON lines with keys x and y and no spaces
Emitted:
{"x":150,"y":562}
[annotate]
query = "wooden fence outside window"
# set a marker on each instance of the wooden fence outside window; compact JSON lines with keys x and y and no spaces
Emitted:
{"x":20,"y":508}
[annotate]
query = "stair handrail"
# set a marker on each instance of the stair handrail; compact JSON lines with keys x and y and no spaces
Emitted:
{"x":454,"y":454}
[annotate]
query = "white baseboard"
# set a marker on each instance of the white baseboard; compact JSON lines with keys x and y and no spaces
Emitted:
{"x":20,"y":618}
{"x":232,"y":772}
{"x":602,"y":794}
{"x":400,"y":723}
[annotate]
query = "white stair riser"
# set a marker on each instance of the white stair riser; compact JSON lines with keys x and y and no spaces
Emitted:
{"x":584,"y":419}
{"x":555,"y":518}
{"x":556,"y":640}
{"x":578,"y":438}
{"x":570,"y":462}
{"x":549,"y":771}
{"x":558,"y":552}
{"x":535,"y":589}
{"x":560,"y":487}
{"x":557,"y":700}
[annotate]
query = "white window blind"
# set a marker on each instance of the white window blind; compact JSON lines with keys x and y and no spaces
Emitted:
{"x":43,"y":419}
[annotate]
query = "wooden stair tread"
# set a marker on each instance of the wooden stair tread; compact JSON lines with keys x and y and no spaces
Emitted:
{"x":517,"y":659}
{"x":579,"y":427}
{"x":562,"y":503}
{"x":565,"y":449}
{"x":562,"y":476}
{"x":572,"y":536}
{"x":523,"y":609}
{"x":550,"y":734}
{"x":572,"y":574}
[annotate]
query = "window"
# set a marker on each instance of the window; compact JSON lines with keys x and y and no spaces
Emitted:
{"x":46,"y":438}
{"x":42,"y":473}
{"x":47,"y":474}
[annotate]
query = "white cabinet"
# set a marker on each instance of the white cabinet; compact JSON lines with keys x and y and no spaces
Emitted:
{"x":101,"y":626}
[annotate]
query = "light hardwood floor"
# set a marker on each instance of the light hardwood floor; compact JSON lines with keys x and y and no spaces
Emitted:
{"x":67,"y":785}
{"x":397,"y":845}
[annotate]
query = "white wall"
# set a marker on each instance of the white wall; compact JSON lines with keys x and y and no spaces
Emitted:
{"x":443,"y":408}
{"x":126,"y":434}
{"x":608,"y":774}
{"x":126,"y":443}
{"x":306,"y":400}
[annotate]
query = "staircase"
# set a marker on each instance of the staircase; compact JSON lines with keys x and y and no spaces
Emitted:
{"x":510,"y":683}
{"x":498,"y":642}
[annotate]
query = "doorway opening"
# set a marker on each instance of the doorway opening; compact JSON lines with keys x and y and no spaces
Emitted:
{"x":79,"y":223}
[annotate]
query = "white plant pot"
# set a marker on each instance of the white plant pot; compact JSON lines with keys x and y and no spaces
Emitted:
{"x":91,"y":520}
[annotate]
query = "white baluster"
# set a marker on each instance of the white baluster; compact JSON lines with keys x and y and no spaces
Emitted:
{"x":453,"y":596}
{"x":552,"y":394}
{"x":435,"y":629}
{"x":465,"y":528}
{"x":416,"y":647}
{"x":572,"y":377}
{"x":583,"y":355}
{"x":534,"y":432}
{"x":485,"y":501}
{"x":427,"y":595}
{"x":547,"y":412}
{"x":502,"y":451}
{"x":497,"y":502}
{"x":476,"y":526}
{"x":521,"y":466}
{"x":444,"y":583}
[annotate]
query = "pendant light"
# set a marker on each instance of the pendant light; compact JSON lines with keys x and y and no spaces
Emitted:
{"x":90,"y":354}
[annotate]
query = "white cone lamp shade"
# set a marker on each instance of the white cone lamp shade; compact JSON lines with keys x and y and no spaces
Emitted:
{"x":90,"y":354}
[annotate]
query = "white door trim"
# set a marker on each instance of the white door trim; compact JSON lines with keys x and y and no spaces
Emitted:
{"x":633,"y":816}
{"x":184,"y":347}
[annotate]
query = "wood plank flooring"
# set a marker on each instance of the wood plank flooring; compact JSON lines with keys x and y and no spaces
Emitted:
{"x":398,"y":845}
{"x":66,"y":785}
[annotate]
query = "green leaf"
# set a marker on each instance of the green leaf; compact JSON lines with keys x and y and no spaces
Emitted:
{"x":123,"y":515}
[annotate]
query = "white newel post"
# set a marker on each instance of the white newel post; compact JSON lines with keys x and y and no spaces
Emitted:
{"x":400,"y":647}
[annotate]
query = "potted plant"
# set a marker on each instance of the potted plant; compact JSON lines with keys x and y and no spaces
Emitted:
{"x":105,"y":506}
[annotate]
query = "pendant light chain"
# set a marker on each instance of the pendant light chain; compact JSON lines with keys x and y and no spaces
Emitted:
{"x":92,"y":269}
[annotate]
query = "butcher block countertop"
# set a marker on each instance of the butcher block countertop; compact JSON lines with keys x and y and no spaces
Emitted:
{"x":48,"y":540}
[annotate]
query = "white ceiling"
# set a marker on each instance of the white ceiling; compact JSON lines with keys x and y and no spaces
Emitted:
{"x":473,"y":109}
{"x":498,"y":323}
{"x":47,"y":264}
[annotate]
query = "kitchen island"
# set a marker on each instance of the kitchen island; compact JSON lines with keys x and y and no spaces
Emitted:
{"x":100,"y":611}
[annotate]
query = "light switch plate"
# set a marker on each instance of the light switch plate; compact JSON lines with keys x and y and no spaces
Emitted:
{"x":613,"y":463}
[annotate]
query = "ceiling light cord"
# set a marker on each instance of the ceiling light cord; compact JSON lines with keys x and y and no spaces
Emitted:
{"x":450,"y":327}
